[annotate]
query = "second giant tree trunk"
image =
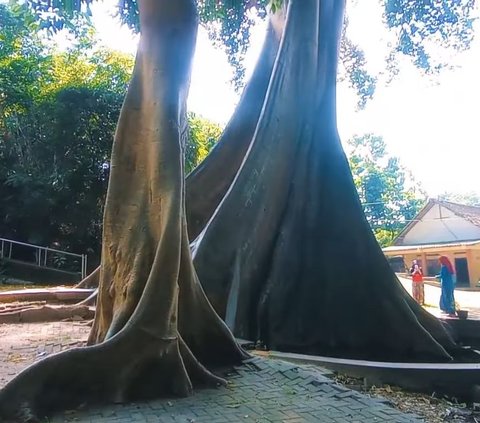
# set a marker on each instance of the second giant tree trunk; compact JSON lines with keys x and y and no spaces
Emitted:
{"x":288,"y":257}
{"x":209,"y":182}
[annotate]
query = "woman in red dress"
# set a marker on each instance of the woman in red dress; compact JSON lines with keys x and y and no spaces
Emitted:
{"x":417,"y":283}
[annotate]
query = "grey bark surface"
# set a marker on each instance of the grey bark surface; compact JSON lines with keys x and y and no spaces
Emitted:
{"x":91,"y":281}
{"x":288,"y":257}
{"x":207,"y":184}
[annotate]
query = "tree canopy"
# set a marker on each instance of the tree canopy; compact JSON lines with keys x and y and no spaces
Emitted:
{"x":447,"y":23}
{"x":417,"y":24}
{"x":41,"y":86}
{"x":38,"y":83}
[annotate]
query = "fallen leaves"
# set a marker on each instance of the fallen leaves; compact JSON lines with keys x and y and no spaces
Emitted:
{"x":431,"y":408}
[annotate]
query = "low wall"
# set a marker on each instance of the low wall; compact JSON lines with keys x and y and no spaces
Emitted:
{"x":41,"y":275}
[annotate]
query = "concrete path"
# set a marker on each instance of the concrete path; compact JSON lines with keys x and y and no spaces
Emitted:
{"x":468,"y":300}
{"x":261,"y":391}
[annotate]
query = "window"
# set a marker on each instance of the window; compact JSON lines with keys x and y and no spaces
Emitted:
{"x":433,"y":266}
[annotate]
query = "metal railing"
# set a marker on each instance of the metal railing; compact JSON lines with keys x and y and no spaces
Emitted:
{"x":44,"y":256}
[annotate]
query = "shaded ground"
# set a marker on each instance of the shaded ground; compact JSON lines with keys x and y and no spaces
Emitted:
{"x":261,"y":391}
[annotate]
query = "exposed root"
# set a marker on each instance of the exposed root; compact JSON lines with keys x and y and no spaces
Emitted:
{"x":122,"y":372}
{"x":20,"y":306}
{"x":91,"y":281}
{"x":196,"y":370}
{"x":49,"y":294}
{"x":39,"y":311}
{"x":89,"y":300}
{"x":46,"y":313}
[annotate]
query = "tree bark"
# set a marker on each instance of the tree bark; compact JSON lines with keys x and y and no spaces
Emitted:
{"x":288,"y":257}
{"x":154,"y":329}
{"x":219,"y":168}
{"x":46,"y":313}
{"x":91,"y":281}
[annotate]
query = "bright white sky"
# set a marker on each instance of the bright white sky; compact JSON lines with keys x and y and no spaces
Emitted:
{"x":433,"y":125}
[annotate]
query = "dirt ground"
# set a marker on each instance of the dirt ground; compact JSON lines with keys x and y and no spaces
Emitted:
{"x":23,"y":344}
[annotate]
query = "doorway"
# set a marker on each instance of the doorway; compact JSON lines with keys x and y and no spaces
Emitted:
{"x":461,"y":267}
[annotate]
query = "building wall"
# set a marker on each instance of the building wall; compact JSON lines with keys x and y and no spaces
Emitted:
{"x":474,"y":266}
{"x":440,"y":225}
{"x":429,"y":260}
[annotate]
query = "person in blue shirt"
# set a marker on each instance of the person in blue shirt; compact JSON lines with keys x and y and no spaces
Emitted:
{"x":447,"y":280}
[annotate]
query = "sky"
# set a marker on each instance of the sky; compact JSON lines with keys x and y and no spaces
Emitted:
{"x":431,"y":123}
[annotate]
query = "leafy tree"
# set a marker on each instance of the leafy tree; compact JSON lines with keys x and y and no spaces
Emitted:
{"x":23,"y":61}
{"x":389,"y":204}
{"x":422,"y":26}
{"x":54,"y":164}
{"x":52,"y":161}
{"x":286,"y":244}
{"x":203,"y":135}
{"x":54,"y":169}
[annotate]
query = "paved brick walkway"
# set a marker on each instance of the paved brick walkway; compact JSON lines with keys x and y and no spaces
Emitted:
{"x":466,"y":299}
{"x":260,"y":391}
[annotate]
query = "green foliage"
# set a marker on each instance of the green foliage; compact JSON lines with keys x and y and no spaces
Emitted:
{"x":445,"y":23}
{"x":203,"y":135}
{"x":58,"y":112}
{"x":417,"y":23}
{"x":229,"y":23}
{"x":53,"y":15}
{"x":353,"y":69}
{"x":22,"y":61}
{"x":382,"y":184}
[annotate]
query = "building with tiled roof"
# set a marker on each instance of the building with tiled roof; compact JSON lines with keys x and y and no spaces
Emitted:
{"x":442,"y":228}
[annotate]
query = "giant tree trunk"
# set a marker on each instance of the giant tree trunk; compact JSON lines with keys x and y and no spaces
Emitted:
{"x":154,"y":326}
{"x":288,"y":257}
{"x":207,"y":184}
